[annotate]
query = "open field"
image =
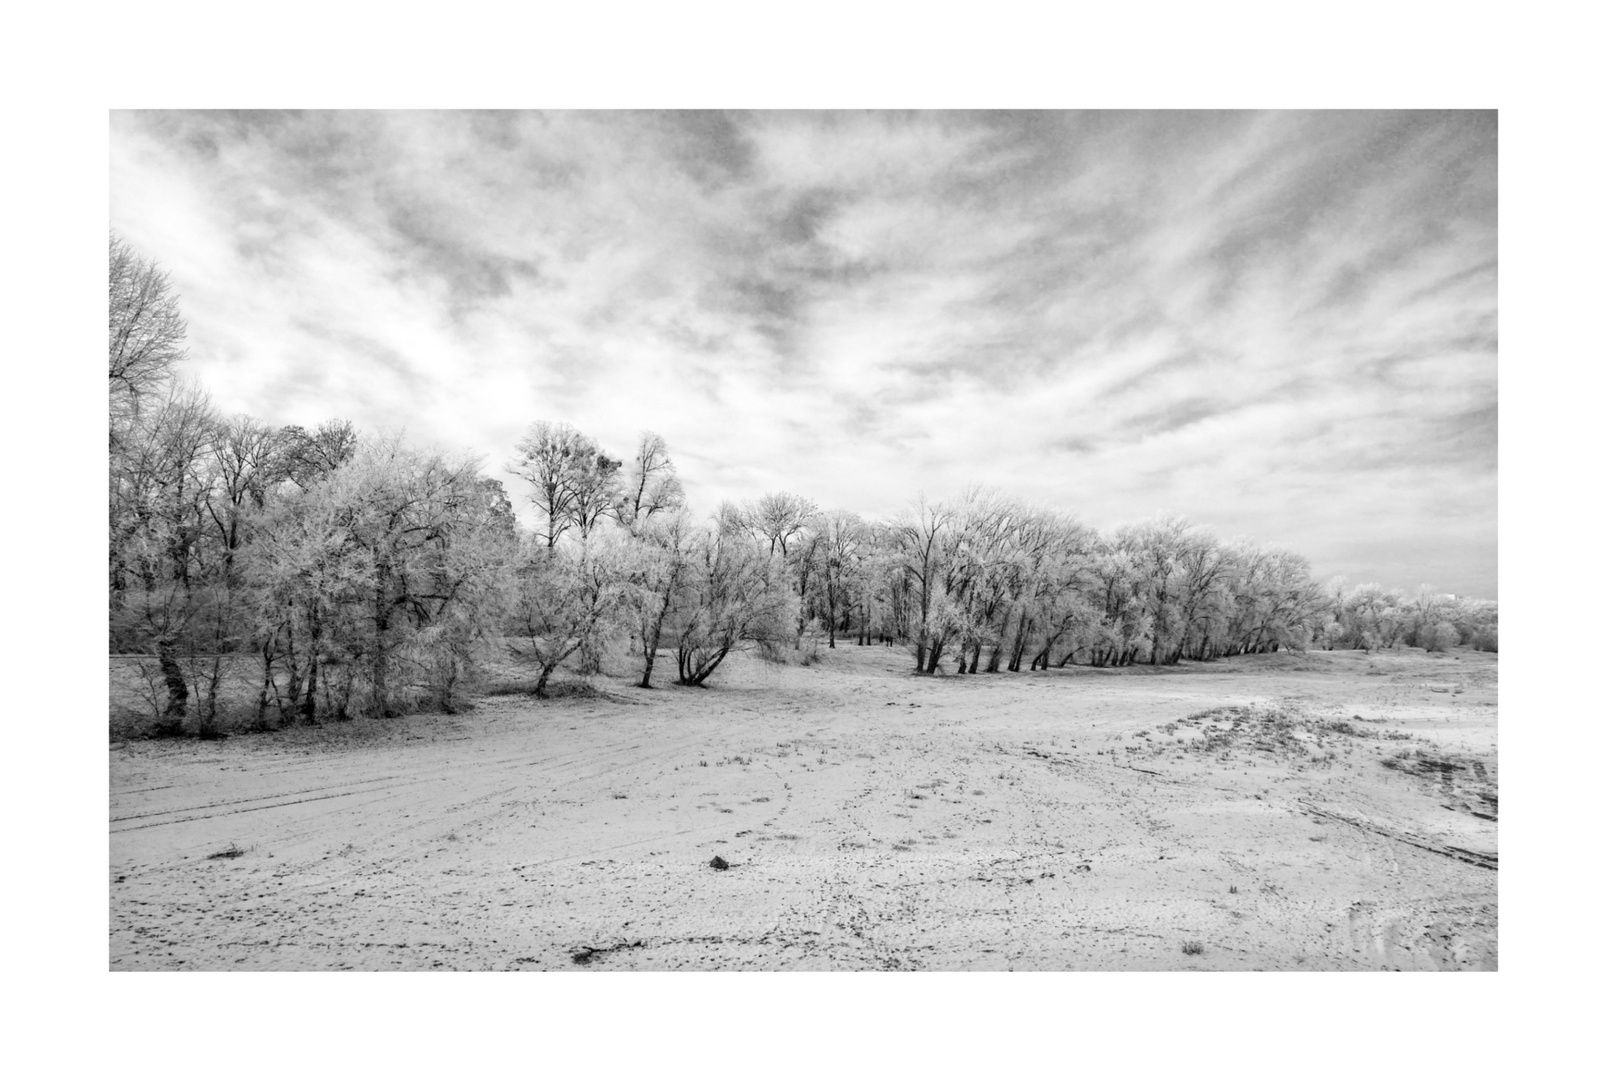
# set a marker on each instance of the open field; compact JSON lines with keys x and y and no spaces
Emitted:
{"x":1332,"y":811}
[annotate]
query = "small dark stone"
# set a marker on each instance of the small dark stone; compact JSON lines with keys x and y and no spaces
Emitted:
{"x":719,"y":863}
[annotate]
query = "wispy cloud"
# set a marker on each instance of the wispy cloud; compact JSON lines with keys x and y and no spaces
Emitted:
{"x":1280,"y":324}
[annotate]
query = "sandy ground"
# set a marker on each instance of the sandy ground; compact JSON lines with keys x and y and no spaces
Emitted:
{"x":871,"y":819}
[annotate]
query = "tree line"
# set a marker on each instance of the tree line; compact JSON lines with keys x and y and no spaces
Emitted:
{"x":358,"y":575}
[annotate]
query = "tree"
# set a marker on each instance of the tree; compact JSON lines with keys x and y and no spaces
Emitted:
{"x":650,"y":485}
{"x":145,"y":332}
{"x":919,"y":538}
{"x":247,"y":460}
{"x":779,"y":518}
{"x":843,"y":540}
{"x":1375,"y":617}
{"x":310,"y":457}
{"x":160,"y":568}
{"x":1049,"y":561}
{"x":1156,"y":548}
{"x":565,"y":599}
{"x":734,"y":595}
{"x":659,"y":564}
{"x":573,"y":483}
{"x":1442,"y":637}
{"x":381,"y":582}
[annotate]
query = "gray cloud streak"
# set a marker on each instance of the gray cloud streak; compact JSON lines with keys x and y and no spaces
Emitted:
{"x":1282,"y":324}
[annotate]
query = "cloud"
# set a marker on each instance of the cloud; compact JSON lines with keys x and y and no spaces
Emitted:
{"x":1281,"y":324}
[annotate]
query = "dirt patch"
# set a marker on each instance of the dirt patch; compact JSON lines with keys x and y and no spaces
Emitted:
{"x":1462,"y":782}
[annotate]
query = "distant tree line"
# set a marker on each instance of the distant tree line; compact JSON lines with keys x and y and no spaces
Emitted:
{"x":363,"y":576}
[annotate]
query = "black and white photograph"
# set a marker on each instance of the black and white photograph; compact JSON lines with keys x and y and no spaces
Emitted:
{"x":660,"y":540}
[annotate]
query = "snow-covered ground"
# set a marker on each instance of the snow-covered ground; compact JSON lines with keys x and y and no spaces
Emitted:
{"x":1074,"y":819}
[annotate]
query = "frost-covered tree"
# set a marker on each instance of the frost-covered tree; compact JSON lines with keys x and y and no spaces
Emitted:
{"x":649,"y":485}
{"x":566,"y":600}
{"x":843,"y":539}
{"x":162,"y":568}
{"x":381,"y":584}
{"x":145,"y":332}
{"x":573,"y":484}
{"x":921,"y":541}
{"x":657,"y":563}
{"x":735,"y":594}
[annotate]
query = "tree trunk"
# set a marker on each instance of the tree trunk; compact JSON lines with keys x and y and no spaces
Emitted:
{"x":376,"y":671}
{"x":697,"y":676}
{"x":650,"y":641}
{"x":1019,"y":648}
{"x":309,"y":704}
{"x":178,"y":691}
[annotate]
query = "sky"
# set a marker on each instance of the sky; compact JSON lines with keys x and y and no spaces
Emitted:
{"x":1279,"y":325}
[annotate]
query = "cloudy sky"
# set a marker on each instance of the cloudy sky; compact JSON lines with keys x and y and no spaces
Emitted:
{"x":1280,"y":325}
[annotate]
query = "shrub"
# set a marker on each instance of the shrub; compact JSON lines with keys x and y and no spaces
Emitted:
{"x":1442,"y":638}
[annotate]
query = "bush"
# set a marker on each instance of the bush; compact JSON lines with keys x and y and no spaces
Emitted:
{"x":1442,"y":638}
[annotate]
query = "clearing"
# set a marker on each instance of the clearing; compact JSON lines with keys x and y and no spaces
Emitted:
{"x":1326,"y":811}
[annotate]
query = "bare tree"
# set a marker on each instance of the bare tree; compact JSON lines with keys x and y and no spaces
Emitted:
{"x":650,"y":485}
{"x":564,"y":601}
{"x":382,"y":580}
{"x":160,"y":566}
{"x":920,"y":538}
{"x":310,"y":457}
{"x":843,"y":541}
{"x":145,"y":333}
{"x":247,"y":460}
{"x":734,"y":595}
{"x":659,"y":566}
{"x":573,"y":483}
{"x":779,"y":518}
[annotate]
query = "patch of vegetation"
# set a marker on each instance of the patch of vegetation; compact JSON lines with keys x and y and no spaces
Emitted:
{"x":1193,"y":948}
{"x":511,"y":688}
{"x":1267,"y":729}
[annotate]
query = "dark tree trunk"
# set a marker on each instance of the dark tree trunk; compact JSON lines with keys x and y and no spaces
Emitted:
{"x":650,"y":641}
{"x":695,"y":676}
{"x":540,"y":690}
{"x":1019,"y":648}
{"x":178,"y":691}
{"x":309,"y":703}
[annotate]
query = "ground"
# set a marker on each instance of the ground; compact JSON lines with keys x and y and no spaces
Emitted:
{"x":1327,"y":811}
